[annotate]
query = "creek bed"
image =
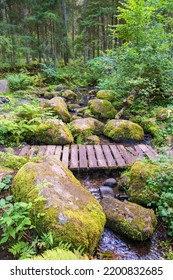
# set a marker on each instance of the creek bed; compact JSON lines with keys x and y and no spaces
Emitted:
{"x":123,"y":248}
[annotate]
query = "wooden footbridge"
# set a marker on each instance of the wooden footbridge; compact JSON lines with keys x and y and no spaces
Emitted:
{"x":77,"y":157}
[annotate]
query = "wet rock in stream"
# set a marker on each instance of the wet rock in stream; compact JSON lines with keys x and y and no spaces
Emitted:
{"x":122,"y":247}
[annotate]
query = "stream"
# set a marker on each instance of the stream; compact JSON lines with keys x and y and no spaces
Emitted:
{"x":123,"y":248}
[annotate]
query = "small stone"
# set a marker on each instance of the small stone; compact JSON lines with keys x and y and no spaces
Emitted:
{"x":111,"y":182}
{"x":106,"y":191}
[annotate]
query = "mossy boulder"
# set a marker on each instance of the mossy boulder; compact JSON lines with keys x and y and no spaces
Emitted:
{"x":59,"y":107}
{"x":60,"y":203}
{"x":150,"y":126}
{"x":53,"y":132}
{"x":49,"y":95}
{"x":105,"y":94}
{"x":139,"y":174}
{"x":102,"y":109}
{"x":164,"y":114}
{"x":69,"y":94}
{"x":123,"y":130}
{"x":129,"y":219}
{"x":87,"y":124}
{"x":93,"y":139}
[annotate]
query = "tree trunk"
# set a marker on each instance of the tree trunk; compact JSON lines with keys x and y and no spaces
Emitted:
{"x":66,"y":51}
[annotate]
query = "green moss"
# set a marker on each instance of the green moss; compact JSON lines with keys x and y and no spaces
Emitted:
{"x":59,"y":106}
{"x":60,"y":204}
{"x":129,"y":219}
{"x":105,"y":94}
{"x":164,"y":114}
{"x":122,"y":130}
{"x":53,"y":132}
{"x":139,"y":174}
{"x":150,"y":126}
{"x":102,"y":109}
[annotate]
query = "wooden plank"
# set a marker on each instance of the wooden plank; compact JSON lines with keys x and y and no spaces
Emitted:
{"x":153,"y":151}
{"x":147,"y":151}
{"x":92,"y":161}
{"x":50,"y":150}
{"x":100,"y":156}
{"x":108,"y":155}
{"x":33,"y":151}
{"x":140,"y":153}
{"x":132,"y":150}
{"x":65,"y":155}
{"x":129,"y":159}
{"x":41,"y":150}
{"x":24,"y":150}
{"x":74,"y":157}
{"x":58,"y":151}
{"x":83,"y":162}
{"x":117,"y":156}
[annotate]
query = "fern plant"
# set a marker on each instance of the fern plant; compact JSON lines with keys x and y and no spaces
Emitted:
{"x":19,"y":81}
{"x":22,"y":250}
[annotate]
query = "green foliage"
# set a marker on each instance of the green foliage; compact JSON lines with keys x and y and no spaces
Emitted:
{"x":104,"y":64}
{"x":49,"y":72}
{"x":19,"y":81}
{"x":4,"y":184}
{"x":167,"y":246}
{"x":162,"y":184}
{"x":60,"y":254}
{"x":23,"y":125}
{"x":15,"y":219}
{"x":15,"y":162}
{"x":22,"y":250}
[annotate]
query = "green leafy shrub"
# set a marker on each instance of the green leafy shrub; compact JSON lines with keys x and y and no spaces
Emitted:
{"x":162,"y":184}
{"x":19,"y":81}
{"x":15,"y":219}
{"x":23,"y":125}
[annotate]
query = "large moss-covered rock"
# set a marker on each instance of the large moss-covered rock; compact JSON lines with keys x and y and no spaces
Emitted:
{"x":60,"y":203}
{"x":102,"y":109}
{"x":87,"y":124}
{"x":105,"y":94}
{"x":164,"y":114}
{"x":139,"y":174}
{"x":53,"y":132}
{"x":123,"y":130}
{"x":150,"y":126}
{"x":59,"y":106}
{"x":69,"y":94}
{"x":129,"y":219}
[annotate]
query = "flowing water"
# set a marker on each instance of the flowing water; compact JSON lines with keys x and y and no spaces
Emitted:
{"x":123,"y":248}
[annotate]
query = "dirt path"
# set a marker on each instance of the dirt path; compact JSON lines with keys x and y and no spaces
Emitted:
{"x":3,"y":86}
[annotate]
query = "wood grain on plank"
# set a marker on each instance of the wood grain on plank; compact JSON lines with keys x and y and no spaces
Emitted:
{"x":74,"y":156}
{"x":41,"y":150}
{"x":100,"y":156}
{"x":147,"y":151}
{"x":117,"y":156}
{"x":92,"y":161}
{"x":83,"y":162}
{"x":129,"y":159}
{"x":58,"y":151}
{"x":50,"y":150}
{"x":65,"y":155}
{"x":108,"y":155}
